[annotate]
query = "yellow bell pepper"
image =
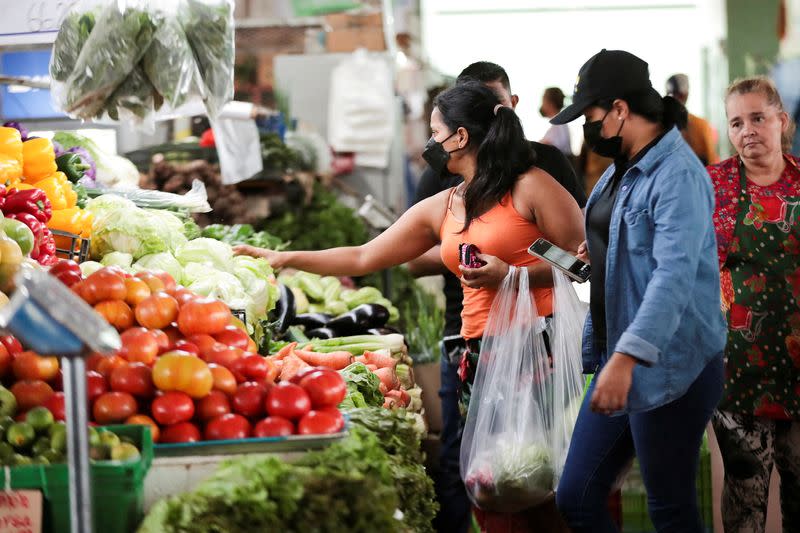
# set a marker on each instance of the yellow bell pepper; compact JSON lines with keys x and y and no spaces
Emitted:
{"x":10,"y":170}
{"x":22,"y":186}
{"x":38,"y":159}
{"x":87,"y":219}
{"x":70,"y":195}
{"x":11,"y":143}
{"x":69,"y":220}
{"x":54,"y":191}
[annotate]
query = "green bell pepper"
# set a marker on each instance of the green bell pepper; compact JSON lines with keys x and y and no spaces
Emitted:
{"x":72,"y":166}
{"x":19,"y":233}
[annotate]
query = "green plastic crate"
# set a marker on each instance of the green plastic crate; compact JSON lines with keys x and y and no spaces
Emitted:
{"x":118,"y":488}
{"x":635,"y":518}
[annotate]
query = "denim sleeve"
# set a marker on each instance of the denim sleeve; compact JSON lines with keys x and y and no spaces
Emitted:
{"x":682,"y":213}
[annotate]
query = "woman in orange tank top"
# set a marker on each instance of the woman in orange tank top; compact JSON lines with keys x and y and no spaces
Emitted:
{"x":504,"y":204}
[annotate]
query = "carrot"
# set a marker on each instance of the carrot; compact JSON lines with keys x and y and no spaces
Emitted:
{"x":390,"y":403}
{"x":401,"y":396}
{"x":372,"y":367}
{"x":388,"y":377}
{"x":286,"y":350}
{"x":291,"y":366}
{"x":334,"y":360}
{"x":361,"y":359}
{"x":380,"y":360}
{"x":383,"y":389}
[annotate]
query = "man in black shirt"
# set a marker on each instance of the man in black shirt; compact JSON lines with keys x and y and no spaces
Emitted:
{"x":455,"y":512}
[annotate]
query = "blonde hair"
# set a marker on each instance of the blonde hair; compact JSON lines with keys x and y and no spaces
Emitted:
{"x":764,"y":86}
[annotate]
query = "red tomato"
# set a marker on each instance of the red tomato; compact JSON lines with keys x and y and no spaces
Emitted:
{"x":204,"y":315}
{"x":234,"y":337}
{"x":113,"y":408}
{"x":116,"y":312}
{"x":144,"y":420}
{"x":181,"y":432}
{"x":273,"y":426}
{"x":102,"y":286}
{"x":319,"y":423}
{"x":249,"y":399}
{"x":224,"y":356}
{"x":152,"y":281}
{"x":136,"y":290}
{"x":166,"y":279}
{"x":183,"y":295}
{"x":303,"y":372}
{"x":119,"y":271}
{"x":55,"y":404}
{"x":326,"y":388}
{"x":11,"y":344}
{"x":228,"y":427}
{"x":58,"y":382}
{"x":253,"y":367}
{"x":186,"y":346}
{"x":214,"y":405}
{"x":95,"y":385}
{"x":133,"y":378}
{"x":108,"y":364}
{"x":223,"y":379}
{"x":166,"y":338}
{"x":5,"y":360}
{"x":180,"y":371}
{"x":288,"y":401}
{"x":172,"y":407}
{"x":30,"y":365}
{"x":139,"y":345}
{"x":31,"y":393}
{"x":205,"y":343}
{"x":157,"y":311}
{"x":334,"y":411}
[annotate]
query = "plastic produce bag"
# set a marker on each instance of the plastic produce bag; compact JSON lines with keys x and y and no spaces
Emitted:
{"x":505,"y":452}
{"x":193,"y":201}
{"x":523,"y":408}
{"x":569,"y":315}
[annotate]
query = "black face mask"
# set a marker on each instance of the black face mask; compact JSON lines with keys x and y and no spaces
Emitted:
{"x":606,"y":147}
{"x":436,"y":156}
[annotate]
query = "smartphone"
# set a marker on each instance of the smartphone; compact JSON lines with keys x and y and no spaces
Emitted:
{"x":468,"y":256}
{"x":561,"y":259}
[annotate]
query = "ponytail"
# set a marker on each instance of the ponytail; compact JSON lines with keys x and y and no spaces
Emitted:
{"x":503,"y":155}
{"x":674,"y":114}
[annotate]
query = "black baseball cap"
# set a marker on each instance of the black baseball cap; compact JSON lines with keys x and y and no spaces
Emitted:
{"x":608,"y":74}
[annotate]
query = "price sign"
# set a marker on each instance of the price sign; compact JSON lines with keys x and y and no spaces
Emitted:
{"x":21,"y":511}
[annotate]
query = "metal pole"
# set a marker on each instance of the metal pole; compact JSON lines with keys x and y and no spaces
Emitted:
{"x":80,"y":487}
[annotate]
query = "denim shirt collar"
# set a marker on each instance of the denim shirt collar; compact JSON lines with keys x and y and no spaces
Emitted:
{"x":668,"y":144}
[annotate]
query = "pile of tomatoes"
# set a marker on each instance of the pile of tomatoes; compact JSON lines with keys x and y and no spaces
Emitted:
{"x":187,"y":368}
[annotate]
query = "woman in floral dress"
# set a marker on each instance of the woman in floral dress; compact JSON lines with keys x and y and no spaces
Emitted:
{"x":757,"y":220}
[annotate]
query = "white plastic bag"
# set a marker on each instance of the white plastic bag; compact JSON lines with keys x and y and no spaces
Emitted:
{"x":505,"y":450}
{"x":520,"y":418}
{"x":569,"y":315}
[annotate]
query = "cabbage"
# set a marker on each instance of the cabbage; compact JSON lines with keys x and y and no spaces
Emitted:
{"x":90,"y":267}
{"x":120,"y":259}
{"x":222,"y":286}
{"x":107,"y":203}
{"x":118,"y":227}
{"x":258,"y":280}
{"x":164,"y":261}
{"x":210,"y":252}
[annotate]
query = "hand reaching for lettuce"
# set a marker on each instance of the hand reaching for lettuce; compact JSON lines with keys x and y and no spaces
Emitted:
{"x":275,"y":259}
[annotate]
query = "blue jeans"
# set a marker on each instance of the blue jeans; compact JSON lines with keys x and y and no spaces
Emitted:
{"x":666,"y":441}
{"x":455,"y":512}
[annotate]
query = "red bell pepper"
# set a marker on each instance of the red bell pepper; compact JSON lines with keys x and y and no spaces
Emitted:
{"x":11,"y":343}
{"x":67,"y":271}
{"x":33,"y":201}
{"x":48,"y":245}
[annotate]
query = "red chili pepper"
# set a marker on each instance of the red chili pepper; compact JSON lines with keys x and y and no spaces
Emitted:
{"x":67,"y":271}
{"x":33,"y":201}
{"x":11,"y":343}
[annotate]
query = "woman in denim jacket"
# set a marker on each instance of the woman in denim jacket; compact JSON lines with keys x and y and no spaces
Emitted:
{"x":655,"y":335}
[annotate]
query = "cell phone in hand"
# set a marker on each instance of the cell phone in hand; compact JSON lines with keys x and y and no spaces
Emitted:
{"x":468,"y":256}
{"x":561,"y":259}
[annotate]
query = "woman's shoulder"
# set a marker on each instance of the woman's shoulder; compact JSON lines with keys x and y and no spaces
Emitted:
{"x":725,"y":171}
